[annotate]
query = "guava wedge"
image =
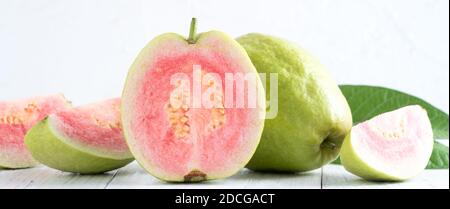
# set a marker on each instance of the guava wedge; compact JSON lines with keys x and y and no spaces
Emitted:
{"x":16,"y":118}
{"x":185,"y":142}
{"x":313,"y":115}
{"x":393,"y":146}
{"x":86,"y":139}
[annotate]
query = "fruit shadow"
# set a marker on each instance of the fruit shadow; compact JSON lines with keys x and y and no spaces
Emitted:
{"x":11,"y":169}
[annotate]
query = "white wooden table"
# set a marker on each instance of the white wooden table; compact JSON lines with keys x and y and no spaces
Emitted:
{"x":132,"y":176}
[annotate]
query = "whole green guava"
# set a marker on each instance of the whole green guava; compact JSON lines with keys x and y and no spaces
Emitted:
{"x":313,"y":115}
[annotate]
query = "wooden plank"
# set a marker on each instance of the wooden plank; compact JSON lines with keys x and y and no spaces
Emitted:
{"x":45,"y":178}
{"x":133,"y":176}
{"x":336,"y":177}
{"x":17,"y":178}
{"x":53,"y":179}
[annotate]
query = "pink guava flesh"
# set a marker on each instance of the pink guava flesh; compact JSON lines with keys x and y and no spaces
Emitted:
{"x":16,"y":118}
{"x":94,"y":128}
{"x":396,"y":141}
{"x":194,"y":143}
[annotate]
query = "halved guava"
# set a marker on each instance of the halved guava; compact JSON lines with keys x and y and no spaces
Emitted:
{"x":16,"y":118}
{"x":390,"y":147}
{"x":86,"y":139}
{"x":189,"y":142}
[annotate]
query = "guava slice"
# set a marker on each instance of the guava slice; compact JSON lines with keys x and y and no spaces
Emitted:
{"x":392,"y":146}
{"x":189,"y":143}
{"x":86,"y":139}
{"x":16,"y":118}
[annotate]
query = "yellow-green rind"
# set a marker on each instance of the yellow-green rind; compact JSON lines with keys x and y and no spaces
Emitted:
{"x":355,"y":165}
{"x":47,"y":148}
{"x":313,"y":115}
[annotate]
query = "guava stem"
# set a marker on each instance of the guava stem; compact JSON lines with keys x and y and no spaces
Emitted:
{"x":192,"y":31}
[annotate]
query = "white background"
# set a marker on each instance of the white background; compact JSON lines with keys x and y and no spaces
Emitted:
{"x":83,"y":48}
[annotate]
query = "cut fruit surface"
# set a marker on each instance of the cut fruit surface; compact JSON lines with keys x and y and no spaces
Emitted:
{"x":94,"y":128}
{"x":392,"y":146}
{"x":16,"y":118}
{"x":168,"y":133}
{"x":86,"y":139}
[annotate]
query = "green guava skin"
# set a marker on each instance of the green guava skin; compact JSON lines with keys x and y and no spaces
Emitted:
{"x":313,"y":115}
{"x":46,"y":148}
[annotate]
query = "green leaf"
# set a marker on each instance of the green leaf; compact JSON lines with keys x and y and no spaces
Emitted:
{"x":337,"y":161}
{"x":439,"y":157}
{"x":369,"y":101}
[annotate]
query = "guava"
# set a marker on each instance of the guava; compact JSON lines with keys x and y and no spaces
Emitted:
{"x":313,"y":115}
{"x":170,"y":136}
{"x":393,"y":146}
{"x":86,"y":139}
{"x":16,"y":118}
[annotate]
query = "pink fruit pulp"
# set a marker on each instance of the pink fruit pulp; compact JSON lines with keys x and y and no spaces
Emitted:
{"x":95,"y":128}
{"x":201,"y":151}
{"x":16,"y":118}
{"x":396,"y":139}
